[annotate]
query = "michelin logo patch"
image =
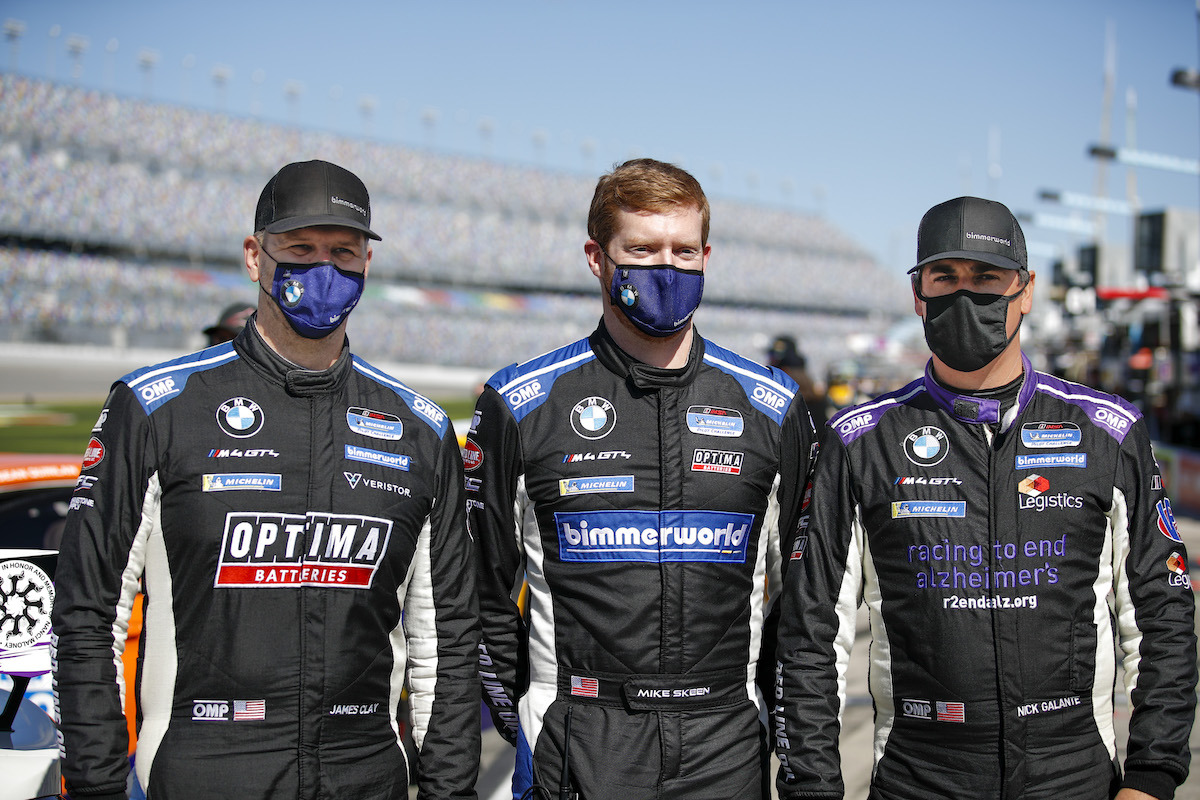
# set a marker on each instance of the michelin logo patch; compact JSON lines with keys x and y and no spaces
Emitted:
{"x":375,"y":424}
{"x":1052,"y":460}
{"x":711,"y":421}
{"x":242,"y":481}
{"x":1039,"y":435}
{"x":904,"y":509}
{"x":600,"y":484}
{"x":390,"y":460}
{"x":654,"y":537}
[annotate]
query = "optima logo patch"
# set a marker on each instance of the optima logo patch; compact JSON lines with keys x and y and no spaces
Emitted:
{"x":655,"y":537}
{"x":724,"y":461}
{"x":276,"y":551}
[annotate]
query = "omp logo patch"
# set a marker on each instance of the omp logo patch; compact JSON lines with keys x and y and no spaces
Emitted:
{"x":653,"y":536}
{"x":266,"y":550}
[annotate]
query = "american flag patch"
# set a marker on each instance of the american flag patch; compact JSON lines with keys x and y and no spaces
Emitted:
{"x":584,"y":687}
{"x":950,"y":712}
{"x":249,"y":709}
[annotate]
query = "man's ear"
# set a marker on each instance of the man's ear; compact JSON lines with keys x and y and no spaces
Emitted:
{"x":918,"y":303}
{"x":1027,"y":294}
{"x":595,"y":257}
{"x":252,"y":252}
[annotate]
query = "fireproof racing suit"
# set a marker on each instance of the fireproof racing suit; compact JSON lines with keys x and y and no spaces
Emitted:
{"x":989,"y":546}
{"x":644,"y":508}
{"x":300,"y":540}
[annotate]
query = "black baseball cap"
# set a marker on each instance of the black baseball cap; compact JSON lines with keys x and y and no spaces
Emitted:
{"x":233,"y":319}
{"x":309,"y":193}
{"x":972,"y":228}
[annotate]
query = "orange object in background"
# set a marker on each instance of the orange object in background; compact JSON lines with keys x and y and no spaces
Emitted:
{"x":133,"y":639}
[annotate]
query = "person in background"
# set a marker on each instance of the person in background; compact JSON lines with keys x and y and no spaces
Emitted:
{"x":785,"y":355}
{"x":1007,"y":530}
{"x":296,"y":519}
{"x":640,"y":480}
{"x":229,"y":324}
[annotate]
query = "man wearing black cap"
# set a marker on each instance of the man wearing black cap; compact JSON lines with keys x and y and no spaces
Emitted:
{"x":295,"y":519}
{"x":1006,"y":529}
{"x":229,"y":324}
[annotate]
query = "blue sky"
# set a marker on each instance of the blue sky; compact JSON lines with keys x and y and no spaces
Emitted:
{"x":866,"y":112}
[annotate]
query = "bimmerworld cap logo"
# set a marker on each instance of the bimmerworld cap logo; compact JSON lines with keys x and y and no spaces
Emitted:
{"x":268,"y":551}
{"x":653,"y":536}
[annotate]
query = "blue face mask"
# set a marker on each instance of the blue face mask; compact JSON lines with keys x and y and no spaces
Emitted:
{"x":658,"y":298}
{"x":315,"y":298}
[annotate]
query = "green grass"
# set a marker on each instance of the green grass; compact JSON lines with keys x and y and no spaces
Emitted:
{"x":47,"y":428}
{"x":66,"y":428}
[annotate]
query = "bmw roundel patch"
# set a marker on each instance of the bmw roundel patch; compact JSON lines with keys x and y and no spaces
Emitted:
{"x":629,"y":295}
{"x":240,"y":417}
{"x":593,"y":418}
{"x":293,"y":290}
{"x":926,"y":446}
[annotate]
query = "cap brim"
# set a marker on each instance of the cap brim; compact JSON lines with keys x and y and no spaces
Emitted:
{"x":992,"y":259}
{"x":296,"y":223}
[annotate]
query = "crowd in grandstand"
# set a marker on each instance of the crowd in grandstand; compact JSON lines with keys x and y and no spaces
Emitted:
{"x":124,"y":220}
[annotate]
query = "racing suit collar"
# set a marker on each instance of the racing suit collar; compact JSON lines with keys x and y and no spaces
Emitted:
{"x":979,"y":410}
{"x":643,"y":376}
{"x":297,"y":381}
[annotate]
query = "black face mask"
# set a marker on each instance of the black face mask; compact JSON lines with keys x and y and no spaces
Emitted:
{"x":967,"y":330}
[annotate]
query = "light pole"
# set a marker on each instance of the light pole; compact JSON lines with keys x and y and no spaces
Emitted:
{"x":14,"y":29}
{"x":291,"y":93}
{"x":221,"y":75}
{"x":76,"y":46}
{"x":147,"y":58}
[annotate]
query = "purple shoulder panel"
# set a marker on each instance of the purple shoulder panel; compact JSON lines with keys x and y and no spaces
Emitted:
{"x":1111,"y":414}
{"x":853,"y":422}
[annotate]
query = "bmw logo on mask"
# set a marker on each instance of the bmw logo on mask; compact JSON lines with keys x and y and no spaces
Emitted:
{"x":629,"y":295}
{"x":293,"y":290}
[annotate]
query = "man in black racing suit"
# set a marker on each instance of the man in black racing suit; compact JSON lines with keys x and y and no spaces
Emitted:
{"x":638,"y":480}
{"x":989,"y":516}
{"x":295,"y":519}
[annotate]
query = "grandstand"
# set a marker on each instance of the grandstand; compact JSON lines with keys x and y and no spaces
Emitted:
{"x":123,"y":220}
